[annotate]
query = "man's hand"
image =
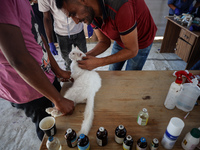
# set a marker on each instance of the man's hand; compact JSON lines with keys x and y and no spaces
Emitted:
{"x":89,"y":63}
{"x":65,"y":106}
{"x":177,"y":12}
{"x":194,"y":28}
{"x":53,"y":49}
{"x":64,"y":76}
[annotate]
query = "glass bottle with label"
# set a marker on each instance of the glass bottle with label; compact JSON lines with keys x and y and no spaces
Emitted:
{"x":143,"y":117}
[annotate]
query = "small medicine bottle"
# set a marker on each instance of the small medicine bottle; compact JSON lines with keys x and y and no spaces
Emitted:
{"x":71,"y":138}
{"x":143,"y":117}
{"x":141,"y":144}
{"x":53,"y":143}
{"x":83,"y":142}
{"x":102,"y":136}
{"x":120,"y":134}
{"x":191,"y":139}
{"x":128,"y":143}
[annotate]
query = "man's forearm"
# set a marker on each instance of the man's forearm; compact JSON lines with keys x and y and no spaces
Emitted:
{"x":98,"y":49}
{"x":25,"y":65}
{"x":48,"y":26}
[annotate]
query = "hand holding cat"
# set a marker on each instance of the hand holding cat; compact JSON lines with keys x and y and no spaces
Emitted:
{"x":64,"y":76}
{"x":65,"y":106}
{"x":89,"y":62}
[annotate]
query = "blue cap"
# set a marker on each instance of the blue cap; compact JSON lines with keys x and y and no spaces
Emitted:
{"x":50,"y":138}
{"x":82,"y":136}
{"x":142,"y":139}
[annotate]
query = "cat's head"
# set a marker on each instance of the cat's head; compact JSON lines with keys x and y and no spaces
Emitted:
{"x":76,"y":54}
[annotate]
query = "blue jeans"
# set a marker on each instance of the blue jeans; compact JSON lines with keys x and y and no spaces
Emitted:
{"x":135,"y":63}
{"x":66,"y":42}
{"x":196,"y":66}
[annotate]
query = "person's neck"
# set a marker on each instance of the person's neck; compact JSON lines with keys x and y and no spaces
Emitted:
{"x":97,"y":8}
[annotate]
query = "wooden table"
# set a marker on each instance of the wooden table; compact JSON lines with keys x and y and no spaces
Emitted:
{"x":122,"y":95}
{"x":180,"y":40}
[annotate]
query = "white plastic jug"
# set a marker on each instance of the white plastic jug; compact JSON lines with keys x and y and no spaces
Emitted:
{"x":188,"y":96}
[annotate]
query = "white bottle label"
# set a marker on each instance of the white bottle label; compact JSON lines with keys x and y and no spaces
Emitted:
{"x":168,"y":140}
{"x":119,"y":140}
{"x":141,"y":121}
{"x":125,"y":147}
{"x":139,"y":148}
{"x":99,"y":142}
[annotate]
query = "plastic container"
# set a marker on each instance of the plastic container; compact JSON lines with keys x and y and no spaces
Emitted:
{"x":143,"y":117}
{"x":188,"y":96}
{"x":175,"y":87}
{"x":53,"y":143}
{"x":198,"y":146}
{"x":191,"y":139}
{"x":172,"y":132}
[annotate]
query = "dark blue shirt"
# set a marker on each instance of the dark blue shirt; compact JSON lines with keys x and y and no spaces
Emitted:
{"x":180,"y":4}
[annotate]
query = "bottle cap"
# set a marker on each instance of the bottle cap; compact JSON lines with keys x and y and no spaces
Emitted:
{"x":129,"y":137}
{"x":69,"y":130}
{"x":82,"y":136}
{"x":195,"y":133}
{"x":50,"y":138}
{"x":175,"y":126}
{"x":144,"y":110}
{"x":142,"y":139}
{"x":121,"y":127}
{"x":101,"y":129}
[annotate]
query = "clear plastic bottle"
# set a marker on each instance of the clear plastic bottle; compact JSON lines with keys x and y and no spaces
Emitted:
{"x":191,"y":139}
{"x":143,"y":117}
{"x":198,"y":146}
{"x":53,"y":143}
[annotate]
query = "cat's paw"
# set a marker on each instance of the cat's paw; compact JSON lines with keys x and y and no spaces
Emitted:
{"x":53,"y":112}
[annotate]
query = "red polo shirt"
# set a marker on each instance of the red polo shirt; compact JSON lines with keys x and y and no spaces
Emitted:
{"x":120,"y":17}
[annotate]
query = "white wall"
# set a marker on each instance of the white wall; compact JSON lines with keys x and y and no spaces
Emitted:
{"x":159,"y":9}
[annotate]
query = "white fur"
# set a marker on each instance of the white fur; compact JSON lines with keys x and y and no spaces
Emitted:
{"x":86,"y":84}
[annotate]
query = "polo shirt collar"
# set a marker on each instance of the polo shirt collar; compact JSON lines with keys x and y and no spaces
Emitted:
{"x":103,"y":8}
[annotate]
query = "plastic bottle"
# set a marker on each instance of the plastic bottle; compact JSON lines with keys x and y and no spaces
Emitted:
{"x":174,"y":89}
{"x":191,"y":139}
{"x":143,"y":117}
{"x":83,"y":142}
{"x":53,"y":143}
{"x":120,"y":134}
{"x":128,"y":143}
{"x":188,"y":96}
{"x":141,"y":144}
{"x":102,"y":136}
{"x":198,"y":146}
{"x":71,"y":138}
{"x":172,"y":132}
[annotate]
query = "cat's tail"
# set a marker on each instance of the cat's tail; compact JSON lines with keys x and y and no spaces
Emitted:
{"x":88,"y":116}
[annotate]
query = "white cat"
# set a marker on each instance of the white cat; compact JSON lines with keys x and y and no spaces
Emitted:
{"x":86,"y":84}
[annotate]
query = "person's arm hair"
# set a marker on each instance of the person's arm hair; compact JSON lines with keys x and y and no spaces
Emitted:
{"x":102,"y":45}
{"x":48,"y":26}
{"x":13,"y":47}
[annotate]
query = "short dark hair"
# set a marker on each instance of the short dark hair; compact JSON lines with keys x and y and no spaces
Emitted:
{"x":59,"y":3}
